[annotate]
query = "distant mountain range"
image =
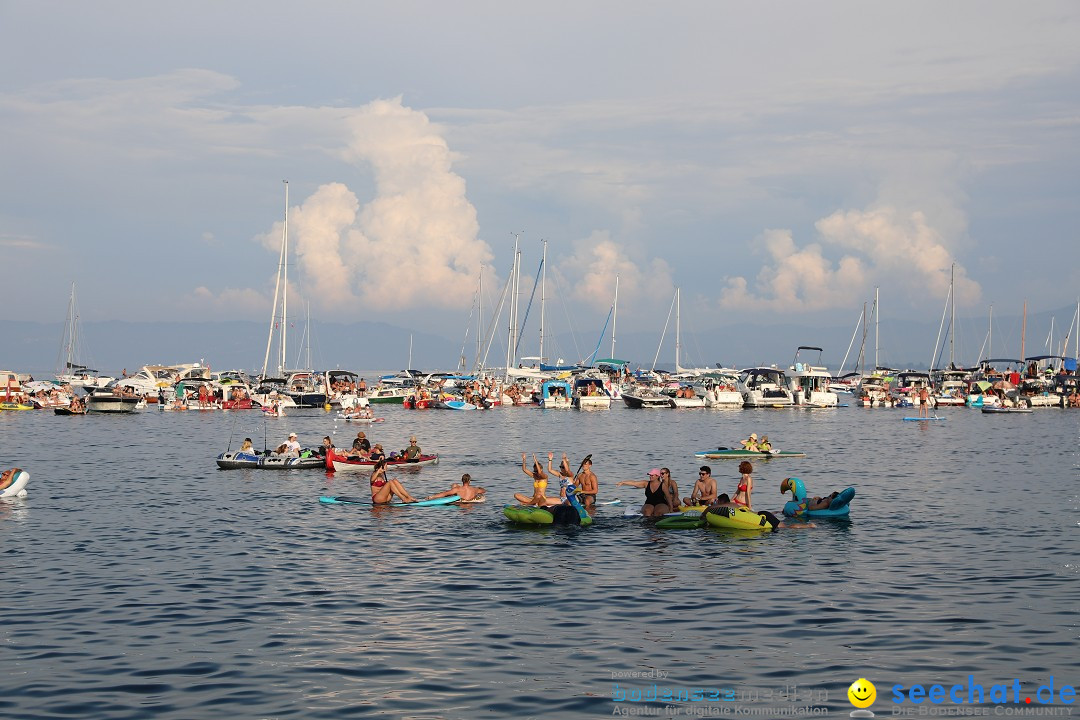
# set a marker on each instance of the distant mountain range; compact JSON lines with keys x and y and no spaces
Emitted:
{"x":114,"y":345}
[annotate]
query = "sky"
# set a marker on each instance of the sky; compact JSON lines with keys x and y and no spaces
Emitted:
{"x":776,"y":161}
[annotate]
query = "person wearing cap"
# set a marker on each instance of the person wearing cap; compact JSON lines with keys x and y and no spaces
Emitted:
{"x":292,"y":447}
{"x":658,"y":500}
{"x":751,"y":443}
{"x":413,"y":452}
{"x":377,"y":452}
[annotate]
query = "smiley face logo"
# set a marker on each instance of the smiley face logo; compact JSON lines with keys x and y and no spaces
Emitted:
{"x":862,"y":693}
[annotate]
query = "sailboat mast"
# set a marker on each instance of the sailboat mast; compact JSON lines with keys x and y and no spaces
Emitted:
{"x":71,"y":331}
{"x":285,"y":288}
{"x":990,"y":335}
{"x":479,"y":316}
{"x":615,"y":315}
{"x":513,"y":283}
{"x":277,"y":291}
{"x":1023,"y":334}
{"x":543,"y":289}
{"x":877,"y":320}
{"x":952,"y":318}
{"x":678,"y":327}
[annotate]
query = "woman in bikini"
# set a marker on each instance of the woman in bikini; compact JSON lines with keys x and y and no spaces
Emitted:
{"x":539,"y":478}
{"x":657,"y":500}
{"x":746,"y":486}
{"x":384,"y":489}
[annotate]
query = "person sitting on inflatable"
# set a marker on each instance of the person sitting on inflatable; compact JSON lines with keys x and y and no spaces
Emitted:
{"x":8,"y":477}
{"x":750,"y":443}
{"x":539,"y":479}
{"x":801,"y":505}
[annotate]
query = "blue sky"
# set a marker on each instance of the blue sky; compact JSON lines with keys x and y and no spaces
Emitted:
{"x":774,"y":160}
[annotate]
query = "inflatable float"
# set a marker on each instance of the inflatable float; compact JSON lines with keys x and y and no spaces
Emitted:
{"x":569,"y":513}
{"x":729,"y":518}
{"x":308,"y":460}
{"x":722,"y":453}
{"x":357,"y":500}
{"x":342,"y":463}
{"x":687,"y":520}
{"x":16,"y":486}
{"x":797,"y":506}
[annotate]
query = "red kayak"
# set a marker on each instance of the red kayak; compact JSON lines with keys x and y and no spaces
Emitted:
{"x":338,"y":461}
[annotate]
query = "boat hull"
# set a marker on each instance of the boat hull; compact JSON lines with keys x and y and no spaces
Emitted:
{"x":340,"y":464}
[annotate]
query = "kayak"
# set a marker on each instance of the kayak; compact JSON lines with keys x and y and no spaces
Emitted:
{"x":17,"y":488}
{"x":239,"y":460}
{"x":740,"y":454}
{"x":994,"y":410}
{"x":357,"y":500}
{"x":728,"y":518}
{"x":338,"y":462}
{"x":353,"y":418}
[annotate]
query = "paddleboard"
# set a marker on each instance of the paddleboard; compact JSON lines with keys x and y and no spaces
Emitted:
{"x":923,"y":419}
{"x":359,"y":500}
{"x":740,"y":454}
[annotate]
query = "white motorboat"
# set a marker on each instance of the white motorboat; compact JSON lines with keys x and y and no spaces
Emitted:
{"x":765,"y":387}
{"x":810,"y":384}
{"x":107,"y":401}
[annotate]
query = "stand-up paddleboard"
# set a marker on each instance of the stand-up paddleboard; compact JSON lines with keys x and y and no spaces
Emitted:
{"x":740,"y":454}
{"x":358,"y":500}
{"x":922,"y":419}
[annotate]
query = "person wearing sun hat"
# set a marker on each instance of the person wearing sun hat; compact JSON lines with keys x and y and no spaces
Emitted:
{"x":657,"y":496}
{"x":413,"y":452}
{"x":751,"y":443}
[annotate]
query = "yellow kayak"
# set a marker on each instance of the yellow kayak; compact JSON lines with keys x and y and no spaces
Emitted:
{"x":15,"y":406}
{"x":729,"y":518}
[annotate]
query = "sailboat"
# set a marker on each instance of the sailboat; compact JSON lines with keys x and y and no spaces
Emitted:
{"x":271,"y":390}
{"x":73,"y":371}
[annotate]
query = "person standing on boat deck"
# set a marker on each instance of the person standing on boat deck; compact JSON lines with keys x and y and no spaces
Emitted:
{"x":746,"y":486}
{"x":587,"y":485}
{"x":704,"y":492}
{"x":292,"y":447}
{"x":361,"y":388}
{"x":413,"y":452}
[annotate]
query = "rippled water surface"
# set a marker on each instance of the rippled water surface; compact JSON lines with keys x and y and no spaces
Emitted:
{"x":142,"y":582}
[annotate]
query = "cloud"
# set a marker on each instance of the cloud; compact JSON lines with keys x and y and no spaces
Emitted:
{"x":414,"y":243}
{"x":21,"y":243}
{"x":597,"y":260}
{"x":229,"y":303}
{"x":880,"y":247}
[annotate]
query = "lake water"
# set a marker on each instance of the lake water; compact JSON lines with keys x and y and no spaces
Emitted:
{"x":142,"y":582}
